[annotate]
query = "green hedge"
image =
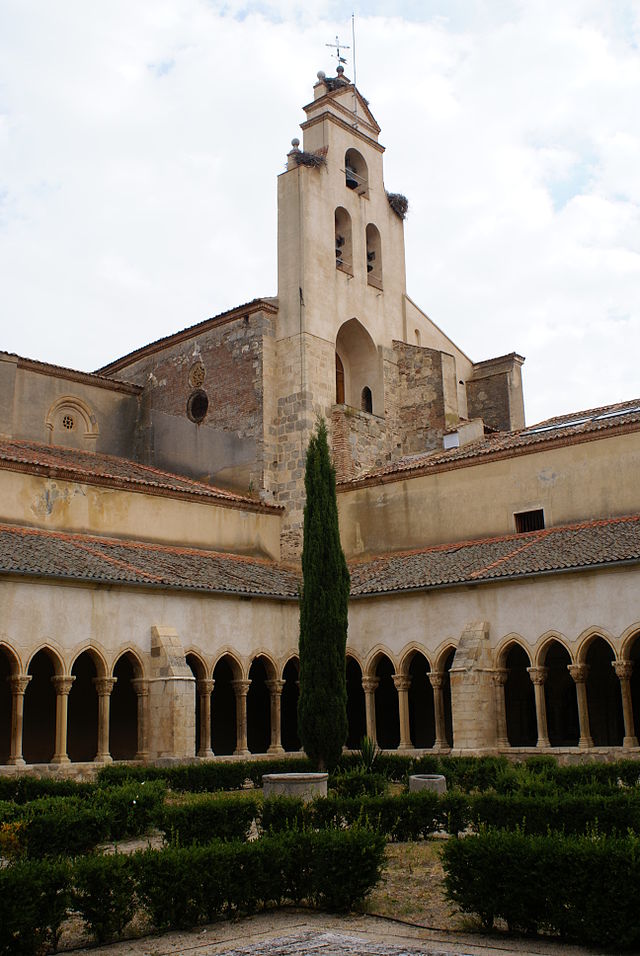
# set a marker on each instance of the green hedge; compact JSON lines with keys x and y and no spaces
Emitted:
{"x":180,"y":887}
{"x":22,"y":788}
{"x":202,"y":818}
{"x":584,"y":888}
{"x":203,"y":776}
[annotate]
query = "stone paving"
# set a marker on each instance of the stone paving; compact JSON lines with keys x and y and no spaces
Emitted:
{"x":329,"y":944}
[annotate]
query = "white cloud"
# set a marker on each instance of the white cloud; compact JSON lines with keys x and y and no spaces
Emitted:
{"x":139,"y":146}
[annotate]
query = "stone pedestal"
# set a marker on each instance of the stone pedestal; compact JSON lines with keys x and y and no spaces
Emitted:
{"x":304,"y":786}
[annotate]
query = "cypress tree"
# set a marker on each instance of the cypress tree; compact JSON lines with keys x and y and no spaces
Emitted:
{"x":324,"y":599}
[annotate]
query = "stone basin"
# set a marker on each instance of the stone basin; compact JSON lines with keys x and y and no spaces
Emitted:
{"x":304,"y":786}
{"x":427,"y":781}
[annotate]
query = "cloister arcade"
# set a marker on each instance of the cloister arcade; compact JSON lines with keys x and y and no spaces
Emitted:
{"x":556,"y":696}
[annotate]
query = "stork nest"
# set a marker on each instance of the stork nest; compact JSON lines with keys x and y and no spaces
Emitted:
{"x":303,"y":158}
{"x":399,"y":204}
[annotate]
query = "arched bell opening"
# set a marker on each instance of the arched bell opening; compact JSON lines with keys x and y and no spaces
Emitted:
{"x":343,"y":241}
{"x":519,"y":699}
{"x":374,"y":256}
{"x":422,"y":719}
{"x":387,"y":709}
{"x":560,"y":698}
{"x":82,"y":719}
{"x":123,"y":714}
{"x":356,"y":713}
{"x":356,"y":172}
{"x":223,"y":707}
{"x":39,"y":728}
{"x":259,"y":706}
{"x":289,"y":706}
{"x":604,"y":698}
{"x":8,"y":669}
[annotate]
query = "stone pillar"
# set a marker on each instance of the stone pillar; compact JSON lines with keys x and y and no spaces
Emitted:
{"x":579,"y":674}
{"x":63,"y":686}
{"x":369,"y":685}
{"x":402,"y":685}
{"x":104,"y":686}
{"x":538,"y":677}
{"x":623,"y":670}
{"x":18,"y":687}
{"x":275,"y":691}
{"x":171,"y":728}
{"x":241,"y":689}
{"x":473,"y":702}
{"x":499,"y":678}
{"x":141,"y":687}
{"x":205,"y":689}
{"x":436,"y":679}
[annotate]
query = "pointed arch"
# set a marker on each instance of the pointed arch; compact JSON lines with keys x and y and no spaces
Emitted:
{"x":587,"y":637}
{"x":604,"y":697}
{"x":289,"y":704}
{"x":386,"y":701}
{"x":9,"y":667}
{"x":226,"y":670}
{"x":422,"y":717}
{"x":39,"y":727}
{"x":360,"y":364}
{"x":371,"y":662}
{"x":505,"y":645}
{"x":261,"y":671}
{"x":560,"y":694}
{"x":356,"y":716}
{"x":407,"y":654}
{"x":82,"y":708}
{"x":519,"y":696}
{"x":545,"y":641}
{"x":123,"y":712}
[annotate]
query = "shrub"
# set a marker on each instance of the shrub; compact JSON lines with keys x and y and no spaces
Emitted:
{"x":103,"y":894}
{"x":355,"y":783}
{"x":25,"y":787}
{"x":201,"y":819}
{"x":34,"y":898}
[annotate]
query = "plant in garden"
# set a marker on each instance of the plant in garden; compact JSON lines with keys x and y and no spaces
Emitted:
{"x":324,"y":599}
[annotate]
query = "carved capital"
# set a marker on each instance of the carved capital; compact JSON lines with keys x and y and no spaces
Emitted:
{"x":275,"y":686}
{"x":141,"y":686}
{"x":104,"y":685}
{"x":436,"y":679}
{"x":500,"y":676}
{"x":62,"y":684}
{"x":538,"y":675}
{"x":579,"y":672}
{"x":369,"y":684}
{"x":18,"y":685}
{"x":623,"y":669}
{"x":402,"y":682}
{"x":205,"y":687}
{"x":241,"y":687}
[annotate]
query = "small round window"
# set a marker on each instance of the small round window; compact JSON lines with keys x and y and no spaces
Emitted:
{"x":67,"y":422}
{"x":197,"y":406}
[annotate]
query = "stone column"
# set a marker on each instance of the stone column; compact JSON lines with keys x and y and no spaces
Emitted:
{"x":579,"y":674}
{"x":436,"y":679}
{"x":18,"y":687}
{"x":141,"y":687}
{"x":205,"y":689}
{"x":538,"y":677}
{"x":623,"y":670}
{"x":241,"y":689}
{"x":63,"y":686}
{"x":275,"y":692}
{"x":499,"y":678}
{"x":369,"y":685}
{"x":104,"y":686}
{"x":402,"y":685}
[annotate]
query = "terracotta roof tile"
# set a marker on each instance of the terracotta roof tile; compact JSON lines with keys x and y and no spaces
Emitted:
{"x":54,"y":554}
{"x":574,"y":426}
{"x":589,"y":544}
{"x":76,"y":465}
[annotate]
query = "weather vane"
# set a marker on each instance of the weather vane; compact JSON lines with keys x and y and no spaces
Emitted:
{"x":337,"y":46}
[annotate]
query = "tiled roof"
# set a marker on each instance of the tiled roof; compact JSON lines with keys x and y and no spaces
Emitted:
{"x":96,"y":468}
{"x":587,"y":545}
{"x":269,"y":304}
{"x":81,"y":557}
{"x":74,"y":375}
{"x":577,"y":426}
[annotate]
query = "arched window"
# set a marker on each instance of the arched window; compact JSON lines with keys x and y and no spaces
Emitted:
{"x":358,"y":368}
{"x":418,"y":337}
{"x":339,"y":381}
{"x":366,"y":400}
{"x":374,"y":257}
{"x":344,"y":255}
{"x":356,"y":172}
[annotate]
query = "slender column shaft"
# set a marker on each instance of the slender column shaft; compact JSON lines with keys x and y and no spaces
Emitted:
{"x":104,"y":686}
{"x":369,"y":685}
{"x":579,"y":674}
{"x":436,"y":679}
{"x":624,"y":670}
{"x":241,"y":689}
{"x":539,"y":676}
{"x":275,"y":699}
{"x":499,"y":678}
{"x":62,"y":686}
{"x":18,"y":687}
{"x":141,"y":687}
{"x":204,"y":689}
{"x":402,"y":685}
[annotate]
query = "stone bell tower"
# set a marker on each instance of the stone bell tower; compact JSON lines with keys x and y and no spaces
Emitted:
{"x":341,"y":283}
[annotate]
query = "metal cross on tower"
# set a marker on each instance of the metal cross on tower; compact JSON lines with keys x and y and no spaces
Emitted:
{"x":337,"y":46}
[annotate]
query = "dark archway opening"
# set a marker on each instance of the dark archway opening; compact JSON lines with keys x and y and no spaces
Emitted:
{"x":422,"y":719}
{"x":560,"y":698}
{"x":198,"y":672}
{"x":258,"y":709}
{"x":123,"y":716}
{"x":634,"y":684}
{"x":289,"y":706}
{"x":82,"y":716}
{"x":387,"y":713}
{"x":6,"y":671}
{"x":604,"y":697}
{"x":339,"y":381}
{"x":446,"y":697}
{"x":519,"y":700}
{"x":39,"y":728}
{"x":223,"y":709}
{"x":356,"y":714}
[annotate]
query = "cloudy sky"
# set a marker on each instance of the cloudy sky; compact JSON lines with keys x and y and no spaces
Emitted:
{"x":140,"y":144}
